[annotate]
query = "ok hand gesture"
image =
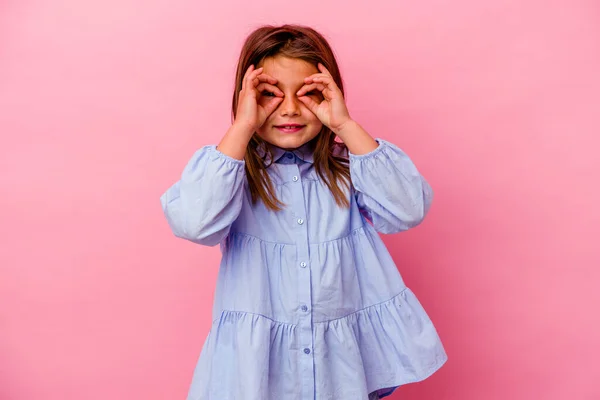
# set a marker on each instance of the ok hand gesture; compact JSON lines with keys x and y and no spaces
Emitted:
{"x":332,"y":111}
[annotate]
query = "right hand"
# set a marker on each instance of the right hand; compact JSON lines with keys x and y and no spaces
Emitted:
{"x":250,"y":112}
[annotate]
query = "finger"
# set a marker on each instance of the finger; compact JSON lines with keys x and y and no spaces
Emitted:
{"x":323,"y":69}
{"x":321,"y":84}
{"x":267,"y":78}
{"x":328,"y":94}
{"x":307,"y":88}
{"x":309,"y":103}
{"x":331,"y":89}
{"x":253,"y":75}
{"x":272,"y":105}
{"x":266,"y":87}
{"x":313,"y":76}
{"x":325,"y":80}
{"x":248,"y":71}
{"x":320,"y":74}
{"x":264,"y":78}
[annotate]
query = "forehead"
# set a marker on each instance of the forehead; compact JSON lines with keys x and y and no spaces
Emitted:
{"x":287,"y":70}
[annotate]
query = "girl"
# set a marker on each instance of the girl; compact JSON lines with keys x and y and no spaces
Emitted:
{"x":309,"y":304}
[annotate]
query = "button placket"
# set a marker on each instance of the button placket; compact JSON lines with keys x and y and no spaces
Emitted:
{"x":304,"y":290}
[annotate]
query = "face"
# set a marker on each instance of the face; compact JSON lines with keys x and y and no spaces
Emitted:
{"x":290,"y":74}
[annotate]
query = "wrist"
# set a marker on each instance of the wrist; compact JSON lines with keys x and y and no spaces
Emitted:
{"x":242,"y":129}
{"x":356,"y":138}
{"x":345,"y":127}
{"x":236,"y":140}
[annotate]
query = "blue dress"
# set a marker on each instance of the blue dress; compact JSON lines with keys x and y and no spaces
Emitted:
{"x":309,"y":304}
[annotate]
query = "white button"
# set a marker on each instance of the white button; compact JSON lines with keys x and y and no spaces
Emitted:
{"x":295,"y":178}
{"x":303,"y":264}
{"x":300,"y":221}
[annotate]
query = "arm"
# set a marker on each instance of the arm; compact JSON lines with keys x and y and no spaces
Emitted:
{"x":389,"y":190}
{"x":203,"y":204}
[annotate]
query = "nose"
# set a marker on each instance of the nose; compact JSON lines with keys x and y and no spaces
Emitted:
{"x":290,"y":105}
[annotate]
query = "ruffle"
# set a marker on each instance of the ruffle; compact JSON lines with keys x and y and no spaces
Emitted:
{"x":249,"y":356}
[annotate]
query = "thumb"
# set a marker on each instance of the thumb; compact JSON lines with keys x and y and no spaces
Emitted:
{"x":309,"y":103}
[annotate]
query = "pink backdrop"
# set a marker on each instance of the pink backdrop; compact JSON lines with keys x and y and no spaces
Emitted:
{"x":103,"y":102}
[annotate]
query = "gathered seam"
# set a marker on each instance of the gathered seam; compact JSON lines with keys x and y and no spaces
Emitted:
{"x":316,"y":322}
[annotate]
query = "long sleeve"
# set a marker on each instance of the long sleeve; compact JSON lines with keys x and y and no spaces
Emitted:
{"x":389,"y":190}
{"x":202,"y":205}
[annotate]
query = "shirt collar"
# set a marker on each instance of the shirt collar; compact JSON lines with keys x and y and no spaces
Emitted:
{"x":304,"y":153}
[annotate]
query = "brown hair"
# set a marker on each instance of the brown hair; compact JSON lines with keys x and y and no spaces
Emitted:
{"x":304,"y":43}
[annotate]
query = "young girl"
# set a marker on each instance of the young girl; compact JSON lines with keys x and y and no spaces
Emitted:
{"x":309,"y":304}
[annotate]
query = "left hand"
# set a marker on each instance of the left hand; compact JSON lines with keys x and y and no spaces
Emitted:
{"x":332,"y":111}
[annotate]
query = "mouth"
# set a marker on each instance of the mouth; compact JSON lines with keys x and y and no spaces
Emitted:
{"x":289,"y":128}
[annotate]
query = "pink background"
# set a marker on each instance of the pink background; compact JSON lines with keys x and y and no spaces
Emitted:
{"x":103,"y":102}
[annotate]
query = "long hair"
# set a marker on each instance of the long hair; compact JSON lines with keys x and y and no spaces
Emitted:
{"x":301,"y":42}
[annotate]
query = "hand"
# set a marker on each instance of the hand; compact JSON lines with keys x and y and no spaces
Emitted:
{"x":250,"y":113}
{"x":332,"y":111}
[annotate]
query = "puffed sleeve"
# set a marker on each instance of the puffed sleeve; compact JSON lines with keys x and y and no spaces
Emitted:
{"x":389,"y":190}
{"x":202,"y":205}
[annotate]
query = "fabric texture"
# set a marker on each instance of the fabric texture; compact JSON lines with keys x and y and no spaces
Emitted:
{"x":309,"y":304}
{"x":374,"y":396}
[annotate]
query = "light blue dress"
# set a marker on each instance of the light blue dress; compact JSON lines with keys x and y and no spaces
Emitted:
{"x":309,"y":304}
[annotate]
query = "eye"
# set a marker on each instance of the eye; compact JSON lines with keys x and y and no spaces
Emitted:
{"x":312,"y":93}
{"x":268,"y":94}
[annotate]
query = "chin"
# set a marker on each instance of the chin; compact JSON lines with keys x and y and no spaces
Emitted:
{"x":288,"y":141}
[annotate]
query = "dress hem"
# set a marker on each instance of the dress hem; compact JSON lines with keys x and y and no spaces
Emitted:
{"x":425,"y":374}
